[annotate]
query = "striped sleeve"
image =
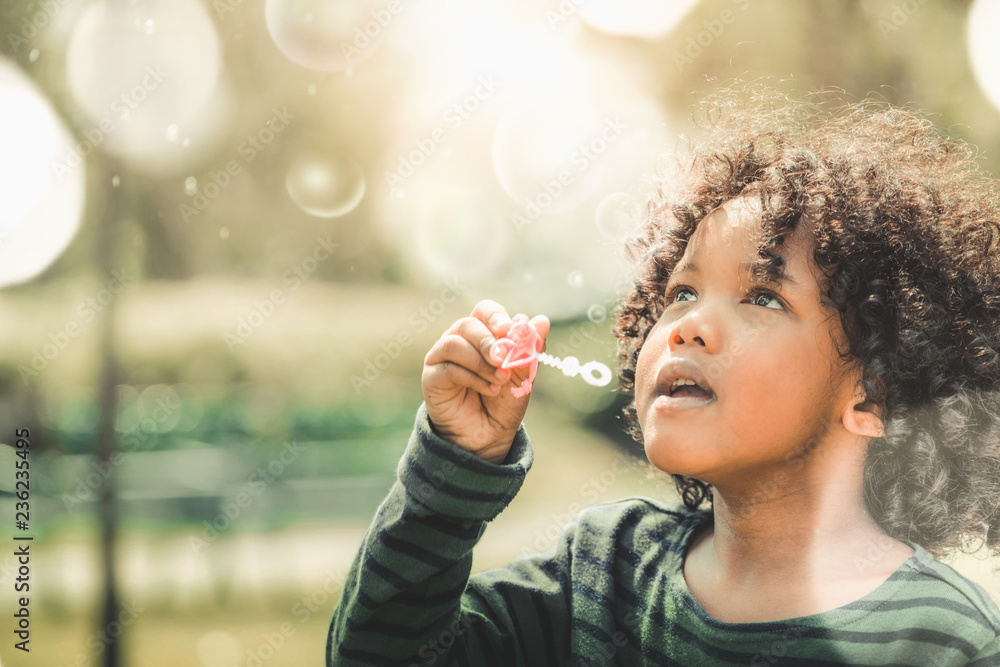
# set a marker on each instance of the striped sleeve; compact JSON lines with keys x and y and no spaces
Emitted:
{"x":989,"y":656}
{"x":405,"y":599}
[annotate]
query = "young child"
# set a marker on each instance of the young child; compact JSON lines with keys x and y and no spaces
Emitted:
{"x":829,"y":283}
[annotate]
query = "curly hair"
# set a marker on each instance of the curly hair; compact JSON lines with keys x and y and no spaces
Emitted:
{"x":905,"y":239}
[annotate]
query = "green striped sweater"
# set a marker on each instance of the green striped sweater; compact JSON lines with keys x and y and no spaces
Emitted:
{"x":610,"y":591}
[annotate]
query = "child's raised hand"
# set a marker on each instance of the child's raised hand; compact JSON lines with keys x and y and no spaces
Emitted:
{"x":467,"y":393}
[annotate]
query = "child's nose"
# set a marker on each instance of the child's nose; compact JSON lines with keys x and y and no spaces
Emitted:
{"x":695,"y":327}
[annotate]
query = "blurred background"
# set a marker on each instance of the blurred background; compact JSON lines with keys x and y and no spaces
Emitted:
{"x":231,"y":229}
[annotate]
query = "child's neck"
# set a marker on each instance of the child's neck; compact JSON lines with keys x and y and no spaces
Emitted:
{"x":810,"y":548}
{"x":796,"y":534}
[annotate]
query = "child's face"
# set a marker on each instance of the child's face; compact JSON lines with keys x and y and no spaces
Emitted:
{"x":767,"y":356}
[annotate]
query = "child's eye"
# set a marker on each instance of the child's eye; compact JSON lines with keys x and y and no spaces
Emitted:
{"x":754,"y":294}
{"x":672,"y":294}
{"x":764,"y":293}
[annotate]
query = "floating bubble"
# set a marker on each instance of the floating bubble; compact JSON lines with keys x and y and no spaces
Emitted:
{"x":547,"y":153}
{"x":460,"y":233}
{"x":983,"y":47}
{"x":191,"y":408}
{"x":218,"y":648}
{"x":636,"y":18}
{"x":138,"y":69}
{"x":33,"y":56}
{"x":129,"y":409}
{"x":41,"y":198}
{"x":190,"y":186}
{"x":160,"y":408}
{"x":596,"y":313}
{"x":173,"y":132}
{"x":618,"y":216}
{"x":327,"y":35}
{"x":575,"y":279}
{"x":325,"y":187}
{"x":116,"y":181}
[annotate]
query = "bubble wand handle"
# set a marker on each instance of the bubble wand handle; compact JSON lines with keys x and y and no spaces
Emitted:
{"x":593,"y":373}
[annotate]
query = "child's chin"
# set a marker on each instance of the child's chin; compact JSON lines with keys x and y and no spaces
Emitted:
{"x":673,"y":459}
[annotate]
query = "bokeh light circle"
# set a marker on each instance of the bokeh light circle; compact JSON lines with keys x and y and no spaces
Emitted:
{"x":597,"y":313}
{"x":325,"y":187}
{"x":460,"y":234}
{"x":548,"y":152}
{"x":42,"y":179}
{"x":129,"y":409}
{"x":329,"y":35}
{"x":144,"y":90}
{"x":618,"y":216}
{"x":983,"y":47}
{"x":160,"y":408}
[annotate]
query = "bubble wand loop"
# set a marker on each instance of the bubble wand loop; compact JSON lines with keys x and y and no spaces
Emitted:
{"x":522,"y":347}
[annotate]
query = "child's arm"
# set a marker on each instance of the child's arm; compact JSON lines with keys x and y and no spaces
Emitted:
{"x":407,"y":599}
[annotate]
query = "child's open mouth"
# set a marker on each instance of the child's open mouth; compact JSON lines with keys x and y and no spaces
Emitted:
{"x":683,"y":400}
{"x":689,"y":391}
{"x":682,"y":385}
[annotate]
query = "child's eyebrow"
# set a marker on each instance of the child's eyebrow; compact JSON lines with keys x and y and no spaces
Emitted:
{"x":688,"y":266}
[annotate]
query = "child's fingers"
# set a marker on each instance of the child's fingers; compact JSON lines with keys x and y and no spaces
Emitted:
{"x":493,"y":315}
{"x":541,"y":324}
{"x":478,"y":334}
{"x":457,"y":349}
{"x":448,"y":373}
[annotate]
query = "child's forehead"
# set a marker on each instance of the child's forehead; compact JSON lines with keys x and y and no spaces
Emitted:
{"x":734,"y":224}
{"x":735,"y":230}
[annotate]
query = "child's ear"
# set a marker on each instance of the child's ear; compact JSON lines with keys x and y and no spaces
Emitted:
{"x":861,"y":418}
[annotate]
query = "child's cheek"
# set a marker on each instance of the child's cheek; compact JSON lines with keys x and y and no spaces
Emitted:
{"x":647,"y":363}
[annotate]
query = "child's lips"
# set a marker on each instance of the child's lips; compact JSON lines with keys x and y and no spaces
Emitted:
{"x":680,"y":368}
{"x":670,"y":403}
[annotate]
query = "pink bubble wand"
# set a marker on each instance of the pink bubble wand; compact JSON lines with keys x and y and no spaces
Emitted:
{"x":522,"y":347}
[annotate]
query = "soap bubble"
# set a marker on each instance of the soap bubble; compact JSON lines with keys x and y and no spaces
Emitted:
{"x":636,"y":18}
{"x":154,"y":418}
{"x":547,"y":152}
{"x":596,"y":313}
{"x":325,"y":187}
{"x":983,"y":47}
{"x":129,"y":409}
{"x":460,"y":232}
{"x":327,"y":35}
{"x":190,"y":186}
{"x":41,"y":196}
{"x":618,"y":216}
{"x":143,"y":89}
{"x":575,"y":279}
